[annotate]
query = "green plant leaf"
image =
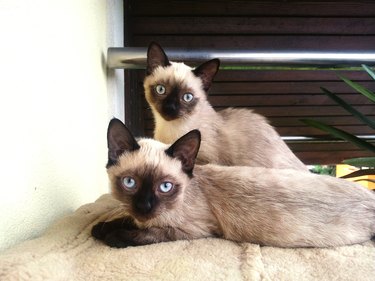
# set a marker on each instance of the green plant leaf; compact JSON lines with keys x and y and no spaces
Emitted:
{"x":349,"y":108}
{"x":361,"y":162}
{"x":358,"y":87}
{"x":369,"y":71}
{"x":340,"y":134}
{"x":359,"y":173}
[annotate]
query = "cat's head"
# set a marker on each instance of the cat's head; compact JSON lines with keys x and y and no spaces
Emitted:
{"x":147,"y":176}
{"x":173,"y":89}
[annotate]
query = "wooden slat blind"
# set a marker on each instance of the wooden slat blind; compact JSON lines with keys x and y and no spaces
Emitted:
{"x":284,"y":96}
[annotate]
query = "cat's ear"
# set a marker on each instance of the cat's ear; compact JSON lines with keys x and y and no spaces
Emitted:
{"x":207,"y":71}
{"x":155,"y":57}
{"x":120,"y":139}
{"x":186,"y":149}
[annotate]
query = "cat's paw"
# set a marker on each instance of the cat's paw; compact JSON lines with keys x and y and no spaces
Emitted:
{"x":102,"y":229}
{"x":120,"y":238}
{"x":98,"y":231}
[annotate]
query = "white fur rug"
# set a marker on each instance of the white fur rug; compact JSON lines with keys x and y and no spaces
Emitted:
{"x":68,"y":252}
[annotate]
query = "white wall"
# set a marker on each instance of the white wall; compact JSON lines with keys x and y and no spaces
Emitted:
{"x":55,"y":103}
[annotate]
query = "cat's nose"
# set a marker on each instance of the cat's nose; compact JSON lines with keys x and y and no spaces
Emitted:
{"x":144,"y":206}
{"x":170,"y":107}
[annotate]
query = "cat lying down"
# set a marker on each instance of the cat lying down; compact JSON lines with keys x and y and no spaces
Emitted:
{"x":165,"y":197}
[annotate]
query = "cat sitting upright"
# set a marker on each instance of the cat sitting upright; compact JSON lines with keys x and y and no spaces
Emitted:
{"x":177,"y":94}
{"x":165,"y":197}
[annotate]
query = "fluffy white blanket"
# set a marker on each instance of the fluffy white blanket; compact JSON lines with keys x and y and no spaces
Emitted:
{"x":68,"y":252}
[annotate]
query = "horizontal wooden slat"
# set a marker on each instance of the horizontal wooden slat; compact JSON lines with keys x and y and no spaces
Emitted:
{"x":299,"y":111}
{"x":329,"y":157}
{"x":323,"y":146}
{"x":265,"y":43}
{"x":303,"y":130}
{"x":292,"y":121}
{"x":308,"y":131}
{"x":281,"y":75}
{"x":250,"y":25}
{"x":310,"y":110}
{"x":340,"y":87}
{"x":287,"y":75}
{"x":254,"y":8}
{"x":282,"y":100}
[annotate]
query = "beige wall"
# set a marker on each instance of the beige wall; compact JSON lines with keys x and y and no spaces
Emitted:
{"x":56,"y":99}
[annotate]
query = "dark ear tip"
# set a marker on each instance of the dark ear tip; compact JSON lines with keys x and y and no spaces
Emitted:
{"x":114,"y":122}
{"x":217,"y":61}
{"x":197,"y":133}
{"x":152,"y":45}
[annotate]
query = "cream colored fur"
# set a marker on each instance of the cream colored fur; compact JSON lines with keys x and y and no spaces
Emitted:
{"x":151,"y":154}
{"x":287,"y":208}
{"x":274,"y":207}
{"x":66,"y":251}
{"x":229,"y":137}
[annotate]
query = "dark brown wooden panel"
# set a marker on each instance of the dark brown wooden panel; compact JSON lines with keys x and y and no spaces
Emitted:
{"x":323,"y":146}
{"x":291,"y":121}
{"x":303,"y":111}
{"x":329,"y":157}
{"x":250,"y":25}
{"x":320,"y":76}
{"x":228,"y":88}
{"x":255,"y":8}
{"x":308,"y":131}
{"x":288,"y":75}
{"x":283,"y":100}
{"x":274,"y":42}
{"x":299,"y":112}
{"x":283,"y":96}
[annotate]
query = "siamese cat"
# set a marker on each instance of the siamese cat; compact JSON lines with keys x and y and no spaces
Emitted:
{"x":166,"y":197}
{"x":177,"y":95}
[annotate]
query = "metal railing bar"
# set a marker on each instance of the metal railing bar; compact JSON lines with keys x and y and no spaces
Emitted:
{"x":135,"y":58}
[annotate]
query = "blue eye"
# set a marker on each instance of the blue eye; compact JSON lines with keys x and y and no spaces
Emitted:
{"x":128,"y":183}
{"x":160,"y":89}
{"x":166,"y":186}
{"x":188,"y":97}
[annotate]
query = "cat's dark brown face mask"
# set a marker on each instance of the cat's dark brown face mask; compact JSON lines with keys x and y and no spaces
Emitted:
{"x":147,"y":193}
{"x":173,"y":101}
{"x":175,"y":89}
{"x":149,"y":177}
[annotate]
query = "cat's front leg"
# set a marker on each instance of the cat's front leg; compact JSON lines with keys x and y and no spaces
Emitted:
{"x":122,"y":238}
{"x":102,"y":229}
